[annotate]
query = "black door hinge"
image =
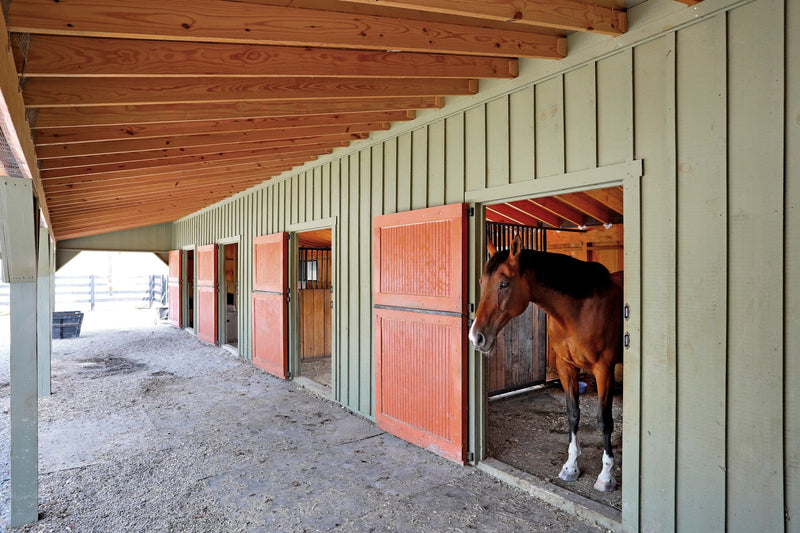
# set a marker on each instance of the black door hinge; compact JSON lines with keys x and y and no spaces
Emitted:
{"x":471,"y":308}
{"x":626,"y":312}
{"x":626,"y":340}
{"x":471,"y":211}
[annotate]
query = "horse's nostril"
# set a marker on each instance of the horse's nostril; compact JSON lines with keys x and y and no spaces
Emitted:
{"x":480,"y":340}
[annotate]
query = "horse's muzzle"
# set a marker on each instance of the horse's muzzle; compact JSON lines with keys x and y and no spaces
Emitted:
{"x":481,"y":342}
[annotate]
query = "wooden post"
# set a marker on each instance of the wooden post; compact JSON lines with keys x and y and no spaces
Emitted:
{"x":24,"y":468}
{"x":91,"y":292}
{"x":18,"y":227}
{"x":44,"y":311}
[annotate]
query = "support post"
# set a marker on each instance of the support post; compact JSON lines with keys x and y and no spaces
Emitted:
{"x":44,"y":311}
{"x":19,"y":223}
{"x":24,"y":468}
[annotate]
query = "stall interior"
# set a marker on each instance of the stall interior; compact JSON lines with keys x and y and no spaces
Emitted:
{"x":527,"y":423}
{"x":315,"y":302}
{"x":230,"y":290}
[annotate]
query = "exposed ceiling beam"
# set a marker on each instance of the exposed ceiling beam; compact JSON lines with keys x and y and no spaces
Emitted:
{"x":560,"y":209}
{"x":233,"y":22}
{"x":55,"y":117}
{"x":561,"y":14}
{"x":58,"y":56}
{"x":69,"y":150}
{"x":77,"y":92}
{"x":585,"y":203}
{"x":610,"y":197}
{"x":158,"y":164}
{"x":163,"y":157}
{"x":142,"y":131}
{"x":159,"y":143}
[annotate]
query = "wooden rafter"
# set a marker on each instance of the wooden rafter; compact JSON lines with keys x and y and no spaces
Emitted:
{"x":69,"y":92}
{"x":144,"y":111}
{"x":55,"y":56}
{"x":233,"y":22}
{"x":47,"y":136}
{"x":559,"y":14}
{"x":56,"y":117}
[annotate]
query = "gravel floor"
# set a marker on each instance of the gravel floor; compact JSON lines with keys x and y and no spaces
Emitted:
{"x":148,"y":429}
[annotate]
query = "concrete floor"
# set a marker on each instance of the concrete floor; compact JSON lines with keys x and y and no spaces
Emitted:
{"x":149,"y":429}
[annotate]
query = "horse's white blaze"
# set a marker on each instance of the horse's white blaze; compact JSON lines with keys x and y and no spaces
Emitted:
{"x":472,"y":335}
{"x":570,"y":470}
{"x":606,"y":480}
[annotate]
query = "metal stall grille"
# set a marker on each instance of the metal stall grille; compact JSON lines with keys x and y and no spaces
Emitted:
{"x":520,"y":359}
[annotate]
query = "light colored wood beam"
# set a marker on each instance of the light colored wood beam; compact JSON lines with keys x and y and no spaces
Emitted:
{"x":71,"y":150}
{"x":129,"y":179}
{"x":163,"y":157}
{"x":213,"y":139}
{"x":21,"y":151}
{"x":142,"y":131}
{"x":564,"y":15}
{"x":610,"y":197}
{"x":69,"y":92}
{"x":232,"y":22}
{"x":55,"y":117}
{"x":57,"y":56}
{"x":588,"y":205}
{"x":560,"y":209}
{"x":198,"y":162}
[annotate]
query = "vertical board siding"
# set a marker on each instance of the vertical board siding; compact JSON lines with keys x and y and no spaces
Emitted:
{"x":521,"y":139}
{"x":755,"y":268}
{"x":475,"y":148}
{"x":792,"y":266}
{"x":704,"y":107}
{"x":654,"y":137}
{"x":580,"y":119}
{"x":497,"y":142}
{"x":702,"y":283}
{"x":549,"y":105}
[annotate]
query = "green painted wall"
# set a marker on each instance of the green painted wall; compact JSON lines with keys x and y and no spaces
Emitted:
{"x":702,"y":97}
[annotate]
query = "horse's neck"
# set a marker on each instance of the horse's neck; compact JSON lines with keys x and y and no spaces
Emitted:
{"x":552,"y":302}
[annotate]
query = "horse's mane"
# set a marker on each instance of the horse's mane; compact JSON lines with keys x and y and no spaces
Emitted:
{"x":559,"y":272}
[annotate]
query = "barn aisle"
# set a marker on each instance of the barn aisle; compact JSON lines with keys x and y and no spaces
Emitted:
{"x":148,"y":428}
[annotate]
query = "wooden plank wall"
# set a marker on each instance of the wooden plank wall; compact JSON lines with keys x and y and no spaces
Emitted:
{"x":703,"y":105}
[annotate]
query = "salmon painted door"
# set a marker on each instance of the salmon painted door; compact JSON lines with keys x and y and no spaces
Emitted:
{"x":174,"y":288}
{"x":420,"y":327}
{"x":270,"y":307}
{"x":207,"y":283}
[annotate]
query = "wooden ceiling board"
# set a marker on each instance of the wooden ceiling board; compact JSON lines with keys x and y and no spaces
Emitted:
{"x":145,"y":111}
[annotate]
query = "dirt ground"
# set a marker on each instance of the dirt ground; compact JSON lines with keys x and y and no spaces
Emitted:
{"x":148,"y":429}
{"x":530,"y":432}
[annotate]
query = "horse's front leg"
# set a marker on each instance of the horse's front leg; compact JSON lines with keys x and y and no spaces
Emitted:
{"x":568,"y":375}
{"x":604,"y":375}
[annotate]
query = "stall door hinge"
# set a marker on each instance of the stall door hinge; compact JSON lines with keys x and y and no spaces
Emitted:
{"x":471,"y":308}
{"x":470,"y":457}
{"x":626,"y":340}
{"x":471,"y":211}
{"x":626,"y":311}
{"x":288,"y":295}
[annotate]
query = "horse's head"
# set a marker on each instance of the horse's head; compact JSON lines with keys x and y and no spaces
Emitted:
{"x":504,"y":294}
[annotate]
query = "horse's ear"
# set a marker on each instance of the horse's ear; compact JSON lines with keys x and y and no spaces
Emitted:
{"x":491,"y":248}
{"x":516,"y":249}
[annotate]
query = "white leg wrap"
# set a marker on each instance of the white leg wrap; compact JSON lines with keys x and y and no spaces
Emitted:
{"x":570,"y":470}
{"x":606,"y":480}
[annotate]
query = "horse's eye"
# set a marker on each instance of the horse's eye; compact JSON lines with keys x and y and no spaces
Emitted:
{"x":504,"y":284}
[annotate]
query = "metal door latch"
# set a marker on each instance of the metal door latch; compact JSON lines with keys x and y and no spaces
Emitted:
{"x":626,"y":340}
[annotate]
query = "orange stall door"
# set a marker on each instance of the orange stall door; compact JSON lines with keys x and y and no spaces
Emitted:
{"x":420,"y":327}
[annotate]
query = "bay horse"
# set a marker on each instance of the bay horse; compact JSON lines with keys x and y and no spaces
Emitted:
{"x":583,"y":302}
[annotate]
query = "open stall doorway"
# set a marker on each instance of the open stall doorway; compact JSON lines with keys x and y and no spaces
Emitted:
{"x":229,"y":289}
{"x":187,"y":295}
{"x":315,"y":305}
{"x":527,"y":424}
